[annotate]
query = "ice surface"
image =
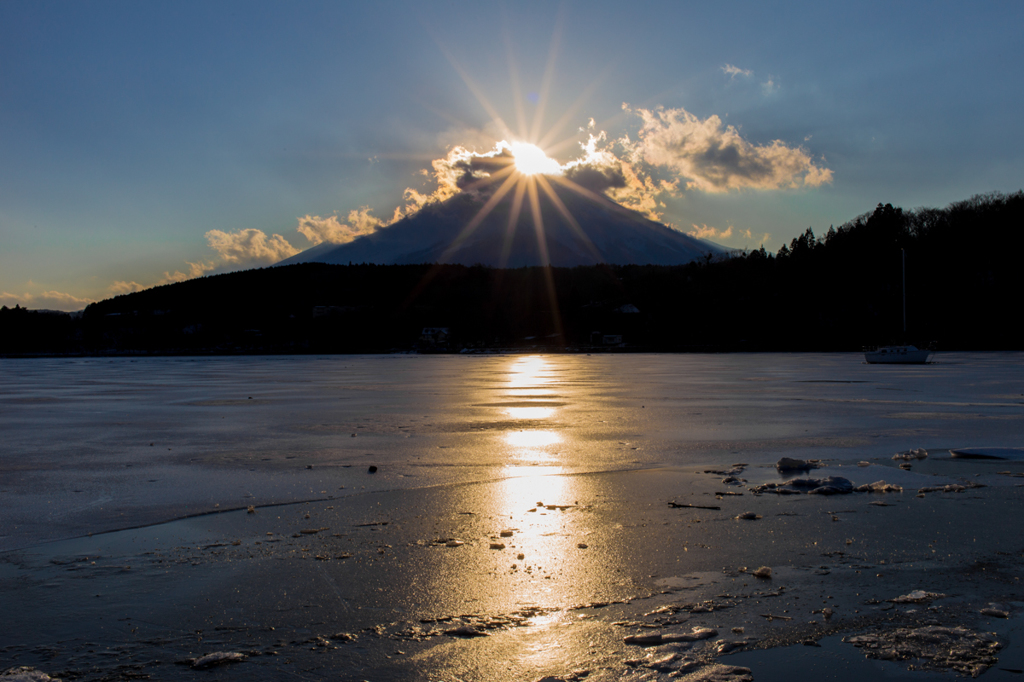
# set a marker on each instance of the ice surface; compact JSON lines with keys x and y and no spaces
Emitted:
{"x":92,"y":445}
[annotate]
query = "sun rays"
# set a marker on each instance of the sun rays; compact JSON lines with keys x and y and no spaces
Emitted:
{"x":520,"y":165}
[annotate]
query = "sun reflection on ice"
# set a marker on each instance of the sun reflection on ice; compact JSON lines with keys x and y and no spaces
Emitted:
{"x":546,"y":563}
{"x":529,"y":372}
{"x":532,"y":439}
{"x":526,"y":376}
{"x":529,"y":412}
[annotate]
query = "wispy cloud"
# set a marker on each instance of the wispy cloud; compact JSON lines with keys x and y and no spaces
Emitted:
{"x":194,"y":270}
{"x":706,"y":232}
{"x":121,"y":286}
{"x":731,"y":234}
{"x":749,"y":237}
{"x":769,"y":87}
{"x":733,"y":71}
{"x":47,"y":300}
{"x":249,"y":247}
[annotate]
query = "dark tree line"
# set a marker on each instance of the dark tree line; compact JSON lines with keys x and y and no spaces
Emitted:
{"x":840,"y":291}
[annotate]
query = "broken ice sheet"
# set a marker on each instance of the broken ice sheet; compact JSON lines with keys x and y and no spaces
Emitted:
{"x":939,"y":648}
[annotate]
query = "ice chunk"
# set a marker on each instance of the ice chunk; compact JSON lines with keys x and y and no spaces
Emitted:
{"x":643,"y":640}
{"x":694,"y":635}
{"x":465,"y":631}
{"x":994,"y":612}
{"x":830,"y":485}
{"x":878,"y":487}
{"x":721,"y":673}
{"x":791,"y":464}
{"x":917,"y":597}
{"x":218,"y":658}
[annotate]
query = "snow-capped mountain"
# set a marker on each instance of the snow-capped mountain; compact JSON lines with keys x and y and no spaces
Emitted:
{"x":444,"y":233}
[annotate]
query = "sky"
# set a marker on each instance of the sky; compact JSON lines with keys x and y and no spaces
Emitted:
{"x":146,"y":143}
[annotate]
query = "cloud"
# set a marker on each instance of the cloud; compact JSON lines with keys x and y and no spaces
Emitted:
{"x":119,"y":287}
{"x":673,"y":150}
{"x":464,"y":170}
{"x":194,"y":270}
{"x":249,"y":247}
{"x":47,"y":300}
{"x":597,"y":178}
{"x":748,"y":235}
{"x":733,"y":71}
{"x":319,"y":230}
{"x":600,"y":169}
{"x":714,"y":158}
{"x":736,"y":236}
{"x":769,"y":87}
{"x":705,"y":232}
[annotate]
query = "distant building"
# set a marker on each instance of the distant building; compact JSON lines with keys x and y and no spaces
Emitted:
{"x":601,"y":339}
{"x":434,"y":336}
{"x":331,"y":310}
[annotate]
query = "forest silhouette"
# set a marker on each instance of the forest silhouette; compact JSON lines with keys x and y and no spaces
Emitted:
{"x":837,"y":292}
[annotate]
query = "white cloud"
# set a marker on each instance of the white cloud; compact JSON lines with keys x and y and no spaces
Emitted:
{"x":249,"y":247}
{"x":769,"y":87}
{"x":47,"y":300}
{"x":713,"y":157}
{"x":733,"y":71}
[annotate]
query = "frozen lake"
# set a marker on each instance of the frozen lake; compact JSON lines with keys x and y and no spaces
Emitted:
{"x":91,"y":445}
{"x":527,"y":517}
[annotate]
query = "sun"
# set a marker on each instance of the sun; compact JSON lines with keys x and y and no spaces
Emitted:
{"x":531,"y":160}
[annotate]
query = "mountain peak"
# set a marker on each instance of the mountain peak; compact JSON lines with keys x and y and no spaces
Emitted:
{"x":565,"y":228}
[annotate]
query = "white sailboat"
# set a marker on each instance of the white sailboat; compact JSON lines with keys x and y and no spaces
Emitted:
{"x":899,"y":355}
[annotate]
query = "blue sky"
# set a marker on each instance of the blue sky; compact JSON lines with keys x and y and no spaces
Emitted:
{"x":145,"y":142}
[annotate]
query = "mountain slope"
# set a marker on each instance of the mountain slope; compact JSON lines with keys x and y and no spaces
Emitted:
{"x":606,"y":233}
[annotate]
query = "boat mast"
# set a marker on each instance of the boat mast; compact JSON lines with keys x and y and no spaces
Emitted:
{"x":903,"y":258}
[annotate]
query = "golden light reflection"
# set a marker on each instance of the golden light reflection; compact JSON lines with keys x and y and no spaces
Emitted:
{"x":532,"y":439}
{"x":530,"y":445}
{"x":529,"y":371}
{"x":529,"y":486}
{"x":529,"y":412}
